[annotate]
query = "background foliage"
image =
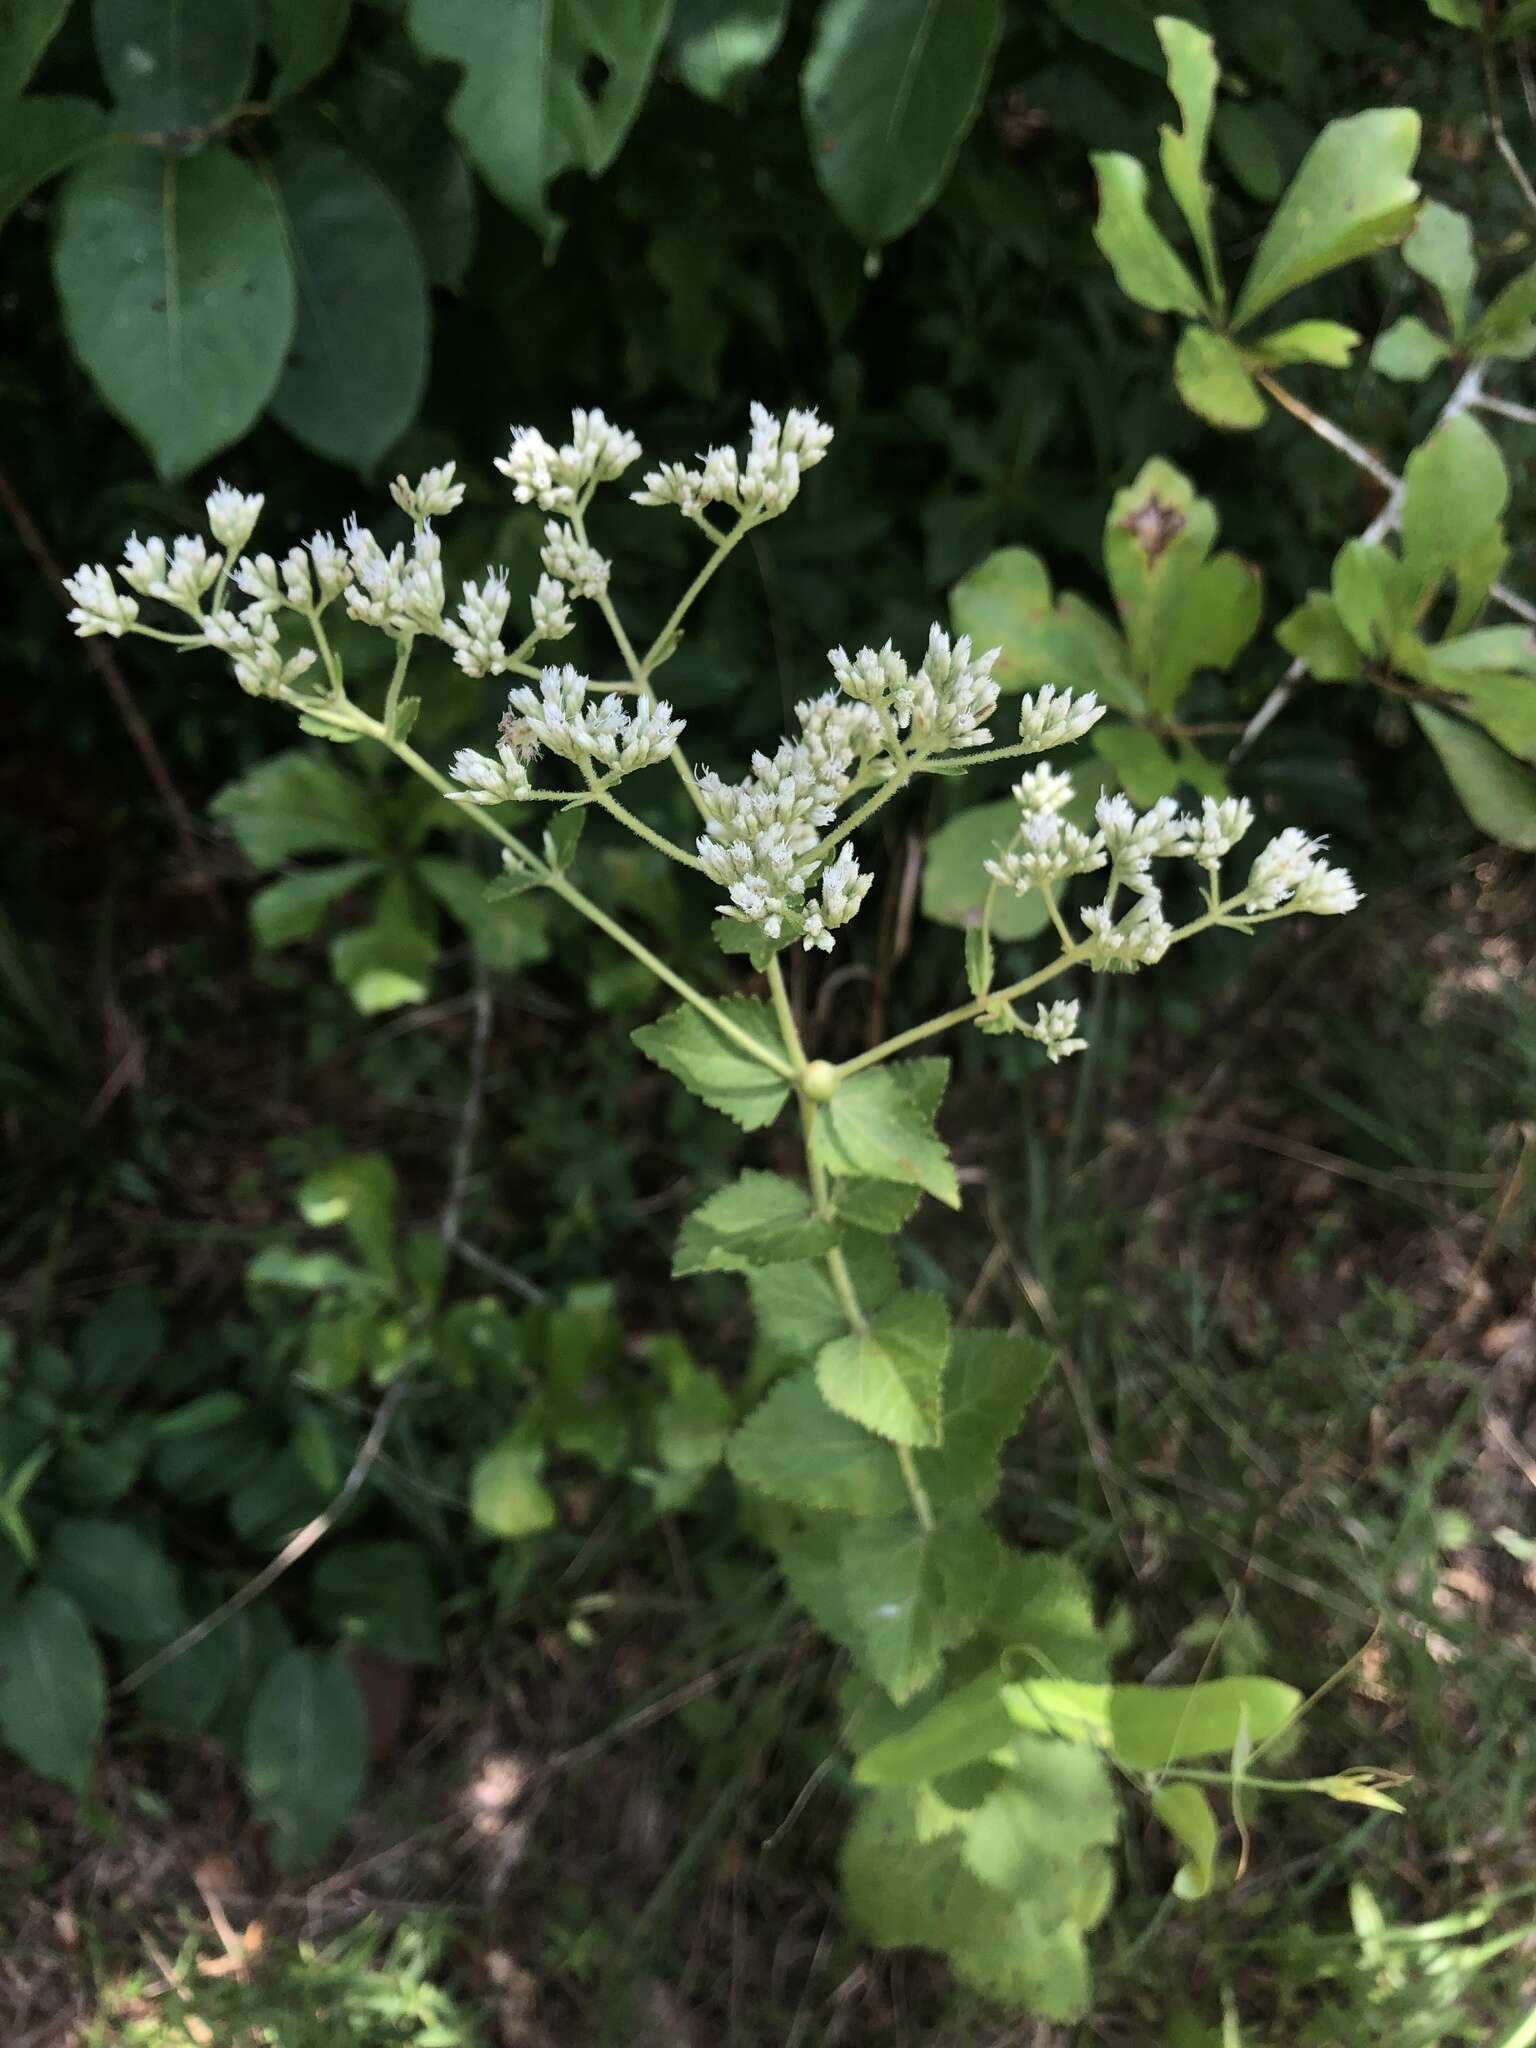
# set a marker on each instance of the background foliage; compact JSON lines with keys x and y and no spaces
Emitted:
{"x":312,"y":243}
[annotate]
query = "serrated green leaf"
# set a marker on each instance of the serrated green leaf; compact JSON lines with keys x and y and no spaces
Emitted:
{"x":354,"y":375}
{"x":1440,"y":249}
{"x":795,"y":1448}
{"x":43,"y":135}
{"x":879,"y":1126}
{"x":1006,"y":602}
{"x":1147,"y":267}
{"x":1305,"y":341}
{"x":178,"y":294}
{"x":1056,"y":1802}
{"x":759,"y":1220}
{"x":914,"y":1593}
{"x":1497,"y":791}
{"x":1316,"y":633}
{"x":968,"y":1725}
{"x":989,"y":1381}
{"x":1192,"y":74}
{"x":903,"y":1892}
{"x":1408,"y":350}
{"x":171,"y":67}
{"x":1186,"y":1813}
{"x":798,"y":1309}
{"x":523,"y":110}
{"x":1042,"y":1612}
{"x":121,"y":1579}
{"x":306,"y":1753}
{"x":889,"y":1376}
{"x":27,"y":27}
{"x":1183,"y":608}
{"x":1043,"y":1969}
{"x":298,"y":802}
{"x":53,"y":1691}
{"x":294,"y":908}
{"x":889,"y":91}
{"x":878,"y":1205}
{"x":506,"y":1496}
{"x":955,"y":881}
{"x":1213,"y":380}
{"x":714,"y":1067}
{"x":1351,"y":195}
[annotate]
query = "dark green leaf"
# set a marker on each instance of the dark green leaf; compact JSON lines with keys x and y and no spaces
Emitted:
{"x":989,"y":1381}
{"x":27,"y":27}
{"x":119,"y":1342}
{"x":1498,"y":792}
{"x":388,"y":115}
{"x":353,"y":381}
{"x":299,"y":802}
{"x":53,"y":1692}
{"x":121,"y":1579}
{"x":380,"y":1594}
{"x":304,"y":37}
{"x":42,"y":136}
{"x":306,"y":1753}
{"x":178,"y":294}
{"x":295,"y":907}
{"x":717,"y":1069}
{"x":759,"y":1220}
{"x":174,"y":66}
{"x":890,"y":89}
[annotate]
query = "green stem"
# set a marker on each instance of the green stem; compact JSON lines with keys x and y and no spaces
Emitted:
{"x":646,"y":832}
{"x":392,"y":699}
{"x":940,"y":764}
{"x":821,"y":1200}
{"x":865,"y":811}
{"x":661,"y":645}
{"x":328,"y":659}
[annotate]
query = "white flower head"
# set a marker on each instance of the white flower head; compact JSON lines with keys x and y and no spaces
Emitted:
{"x":250,"y":639}
{"x":577,"y":565}
{"x":1220,"y":825}
{"x":1139,"y":939}
{"x":99,"y":607}
{"x":551,"y":614}
{"x":1279,"y":870}
{"x":1051,"y":718}
{"x":1042,"y":789}
{"x":232,"y":515}
{"x":1055,"y":1028}
{"x":761,"y":486}
{"x":485,"y":781}
{"x":843,"y":889}
{"x":554,"y":478}
{"x":433,"y":495}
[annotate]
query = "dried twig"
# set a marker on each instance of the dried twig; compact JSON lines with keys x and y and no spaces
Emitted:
{"x":1496,"y":123}
{"x":108,"y":668}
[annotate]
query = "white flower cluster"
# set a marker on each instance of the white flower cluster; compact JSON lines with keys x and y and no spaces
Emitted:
{"x":761,"y":833}
{"x":308,"y":578}
{"x":1055,"y":1027}
{"x":1046,"y":848}
{"x":1288,"y":875}
{"x":765,"y":484}
{"x":501,"y":781}
{"x":99,"y":606}
{"x":946,"y":704}
{"x":1053,"y":718}
{"x":232,"y":515}
{"x":252,"y":643}
{"x":432,"y":496}
{"x":400,"y":594}
{"x":475,"y":635}
{"x":560,"y":479}
{"x":560,"y":717}
{"x":578,"y":566}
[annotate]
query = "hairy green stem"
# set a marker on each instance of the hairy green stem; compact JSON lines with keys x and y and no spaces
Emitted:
{"x":646,"y":832}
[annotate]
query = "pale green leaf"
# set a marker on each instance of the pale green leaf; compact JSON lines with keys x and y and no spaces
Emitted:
{"x":879,"y":1125}
{"x":1316,"y":633}
{"x":1006,"y":602}
{"x":178,"y":294}
{"x":121,"y":1579}
{"x":955,"y":881}
{"x":1186,"y":1813}
{"x":53,"y":1691}
{"x":989,"y":1381}
{"x":1351,"y":195}
{"x":1055,"y":1804}
{"x":889,"y":91}
{"x":354,"y":377}
{"x":1459,"y":13}
{"x":1408,"y":350}
{"x":1192,"y":75}
{"x":878,"y":1205}
{"x":914,"y":1593}
{"x":1150,"y":1726}
{"x":41,"y":136}
{"x":298,"y":802}
{"x":1042,"y":1968}
{"x":1147,"y":267}
{"x":1497,"y":792}
{"x":1371,"y":594}
{"x":175,"y":65}
{"x":1213,"y":380}
{"x":969,"y":1725}
{"x":1305,"y":341}
{"x":759,"y":1220}
{"x":1042,"y":1611}
{"x":506,"y":1495}
{"x":1440,"y":249}
{"x":1455,"y":489}
{"x":306,"y":1753}
{"x":359,"y":1193}
{"x":798,"y":1310}
{"x":27,"y":27}
{"x":889,"y":1376}
{"x":795,"y":1448}
{"x":1507,"y":329}
{"x":389,"y":962}
{"x":1142,"y":765}
{"x":523,"y":110}
{"x":1491,"y":674}
{"x":717,"y":1069}
{"x":294,"y":908}
{"x":717,"y":43}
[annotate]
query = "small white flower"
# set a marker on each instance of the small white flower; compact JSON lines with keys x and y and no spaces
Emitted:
{"x":475,"y":639}
{"x":560,"y":716}
{"x":552,"y":618}
{"x":250,"y":639}
{"x":1043,"y":789}
{"x":144,"y":564}
{"x":1135,"y":840}
{"x":1047,"y":850}
{"x":1051,"y":718}
{"x":1055,"y":1028}
{"x":868,"y":677}
{"x":99,"y":607}
{"x":1139,"y":939}
{"x":843,"y":890}
{"x":1279,"y":870}
{"x":554,"y":478}
{"x":1326,"y":892}
{"x":765,"y":484}
{"x":232,"y":515}
{"x":485,"y":781}
{"x":433,"y":495}
{"x":1220,"y":825}
{"x":332,"y":569}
